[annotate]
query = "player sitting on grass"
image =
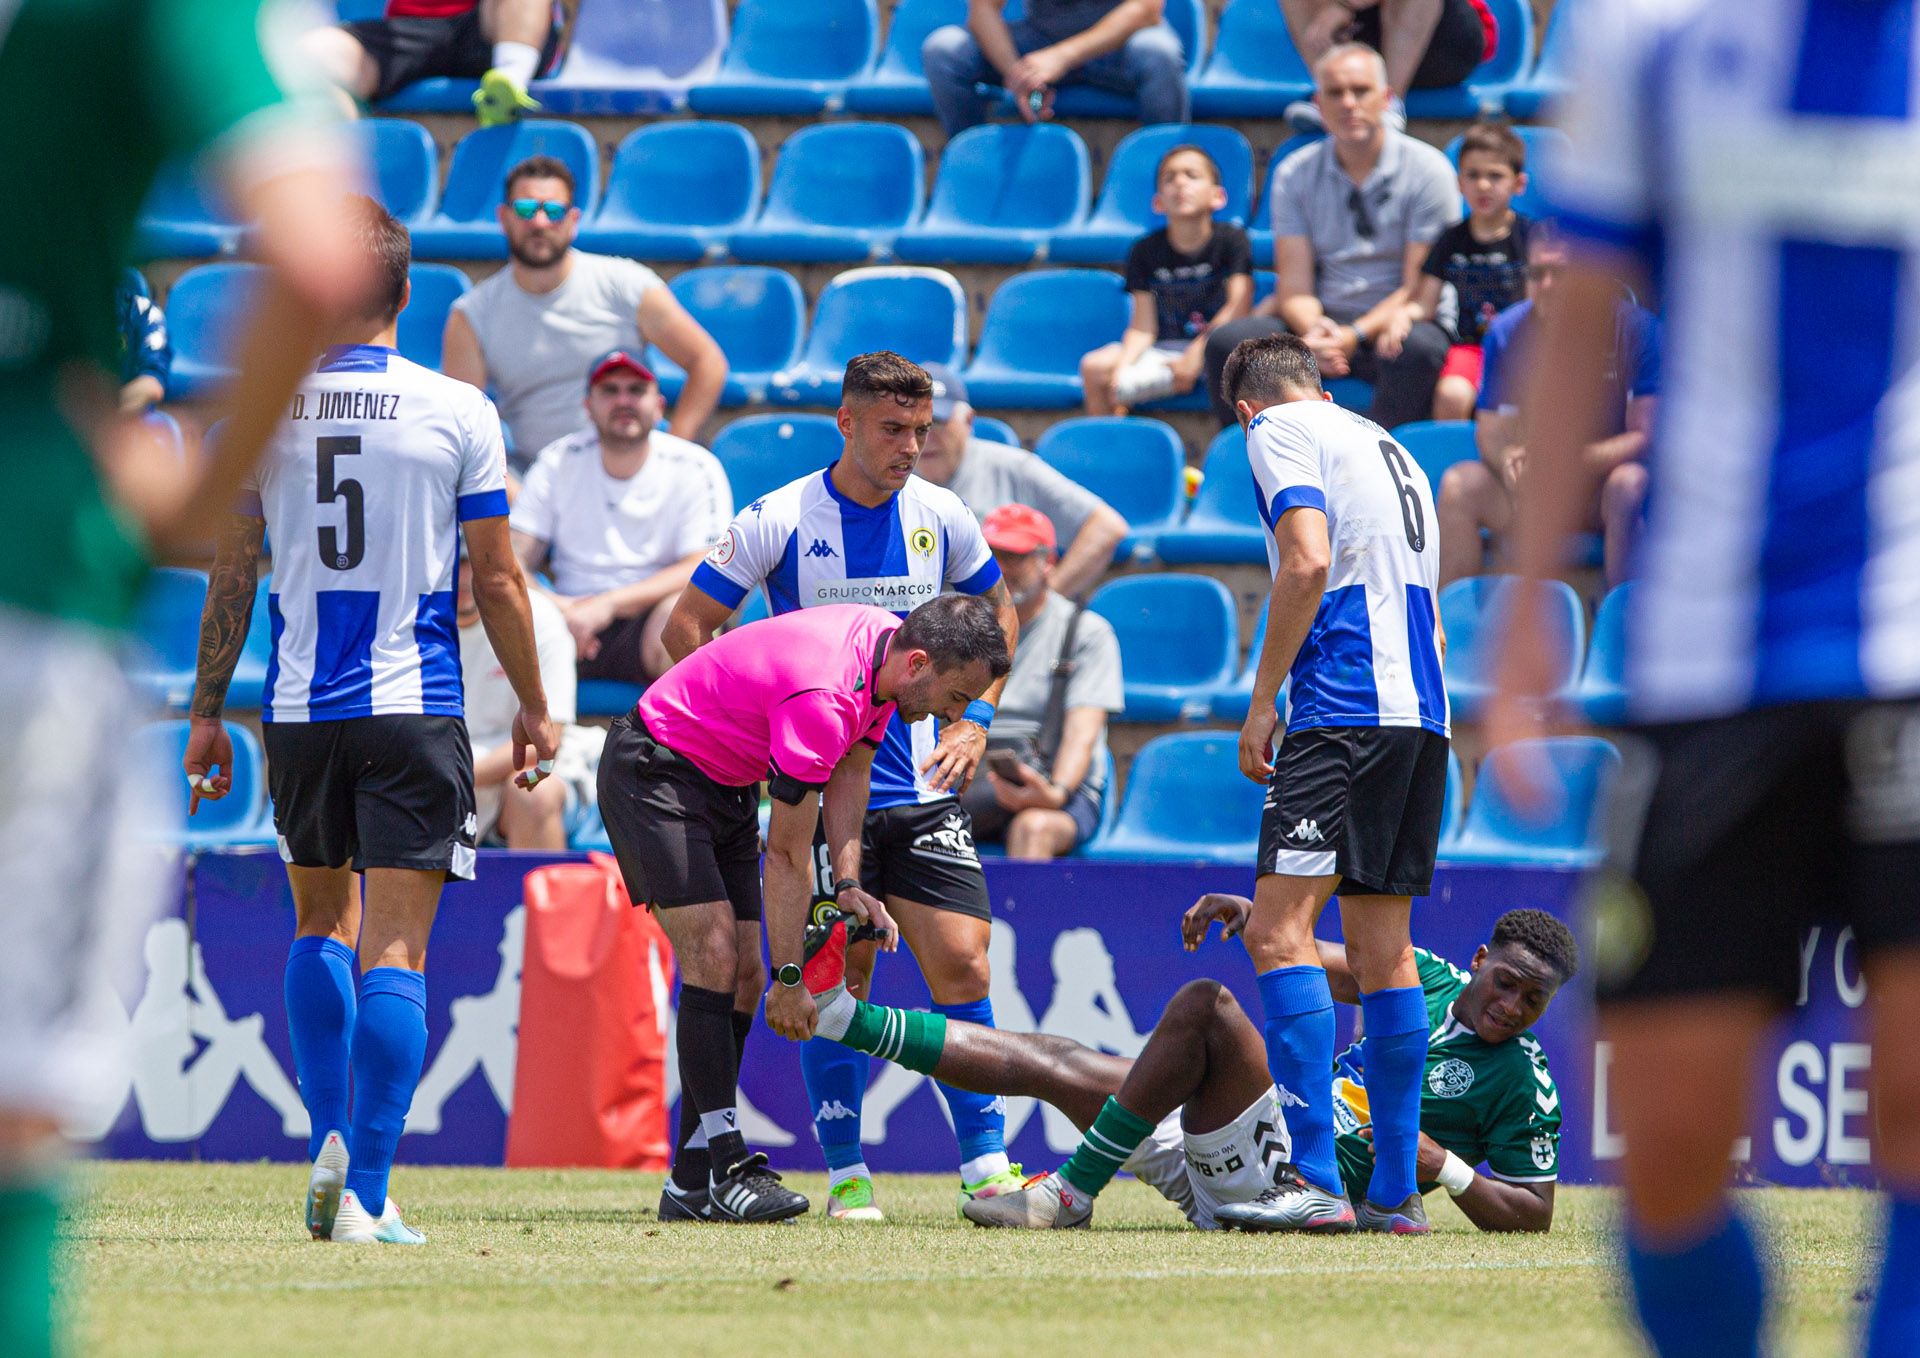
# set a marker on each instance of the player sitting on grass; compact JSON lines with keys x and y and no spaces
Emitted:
{"x":1196,"y":1114}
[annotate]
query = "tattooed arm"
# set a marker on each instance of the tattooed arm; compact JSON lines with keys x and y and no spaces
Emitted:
{"x":223,"y":633}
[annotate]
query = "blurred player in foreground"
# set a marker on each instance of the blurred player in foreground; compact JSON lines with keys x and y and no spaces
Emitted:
{"x":1756,"y":161}
{"x":116,"y":88}
{"x":366,"y":488}
{"x":1197,"y":1115}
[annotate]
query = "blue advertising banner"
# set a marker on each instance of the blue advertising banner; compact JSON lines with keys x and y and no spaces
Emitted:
{"x":1090,"y":950}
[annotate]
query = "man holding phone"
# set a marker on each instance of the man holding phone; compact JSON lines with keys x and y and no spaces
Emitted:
{"x":1047,"y":760}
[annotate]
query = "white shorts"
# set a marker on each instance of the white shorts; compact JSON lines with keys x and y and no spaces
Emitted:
{"x":576,"y":765}
{"x":1201,"y":1172}
{"x":80,"y":887}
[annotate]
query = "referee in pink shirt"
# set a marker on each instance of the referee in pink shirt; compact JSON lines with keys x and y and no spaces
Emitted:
{"x":800,"y":700}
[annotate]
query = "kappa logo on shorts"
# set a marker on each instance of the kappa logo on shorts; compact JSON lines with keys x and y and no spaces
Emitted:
{"x":1307,"y":832}
{"x":1451,"y":1078}
{"x":952,"y":840}
{"x":471,"y":826}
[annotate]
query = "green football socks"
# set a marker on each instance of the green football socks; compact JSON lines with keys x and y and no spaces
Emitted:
{"x":29,"y":1218}
{"x":1113,"y":1137}
{"x":906,"y":1037}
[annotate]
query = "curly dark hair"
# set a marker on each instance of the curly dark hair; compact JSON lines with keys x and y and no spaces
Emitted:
{"x":1543,"y":936}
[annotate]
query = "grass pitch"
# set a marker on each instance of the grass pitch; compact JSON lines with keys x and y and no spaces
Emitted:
{"x":211,"y":1260}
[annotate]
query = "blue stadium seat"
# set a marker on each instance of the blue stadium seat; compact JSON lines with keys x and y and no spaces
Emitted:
{"x":1084,"y":101}
{"x":1260,"y":228}
{"x":1568,"y":831}
{"x":897,"y":84}
{"x":185,"y":217}
{"x":676,"y":192}
{"x":918,"y":313}
{"x":756,"y":315}
{"x":247,"y":690}
{"x":1552,"y":74}
{"x":165,"y":641}
{"x":588,"y":831}
{"x":637,"y":56}
{"x":436,"y":287}
{"x":1255,"y":71}
{"x":1232,"y":700}
{"x":1452,"y":805}
{"x":763,"y":452}
{"x":240,"y":817}
{"x":203,"y":308}
{"x":1003,"y":191}
{"x":1136,"y":465}
{"x":1186,"y":800}
{"x":606,"y":697}
{"x":1602,"y":690}
{"x":1545,"y":147}
{"x":1037,"y":327}
{"x":1471,"y":611}
{"x":1350,"y":393}
{"x":753,"y":608}
{"x":791,"y":56}
{"x":995,"y":431}
{"x":1224,"y":525}
{"x":1179,"y":640}
{"x":1487,"y":86}
{"x":406,"y":166}
{"x":1124,"y":211}
{"x":465,"y":226}
{"x":840,"y":193}
{"x":1437,"y":445}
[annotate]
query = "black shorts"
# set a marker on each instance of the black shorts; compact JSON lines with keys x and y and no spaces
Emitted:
{"x":1453,"y":52}
{"x":410,"y":49}
{"x":622,"y":653}
{"x":681,"y":838}
{"x":1360,"y":801}
{"x":922,"y":853}
{"x":1744,"y":832}
{"x":373,"y":792}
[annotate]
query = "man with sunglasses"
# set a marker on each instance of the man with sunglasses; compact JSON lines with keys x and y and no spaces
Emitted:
{"x":1478,"y":497}
{"x":1353,"y":219}
{"x":529,"y":331}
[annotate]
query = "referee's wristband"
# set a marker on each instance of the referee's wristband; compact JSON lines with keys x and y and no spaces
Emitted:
{"x":1456,"y":1175}
{"x":979,"y":712}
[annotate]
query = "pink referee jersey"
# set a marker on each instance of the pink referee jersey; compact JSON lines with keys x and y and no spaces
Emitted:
{"x":791,"y":694}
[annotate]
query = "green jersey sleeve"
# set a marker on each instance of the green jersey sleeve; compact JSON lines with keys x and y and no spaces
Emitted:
{"x":205,"y":68}
{"x":1523,"y":1131}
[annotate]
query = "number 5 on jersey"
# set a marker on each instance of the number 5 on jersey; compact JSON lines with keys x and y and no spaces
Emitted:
{"x":331,"y":491}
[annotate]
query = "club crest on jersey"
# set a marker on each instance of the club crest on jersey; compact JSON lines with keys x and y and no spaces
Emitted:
{"x":1451,"y":1078}
{"x":724,"y":549}
{"x":922,"y":541}
{"x":1542,"y":1152}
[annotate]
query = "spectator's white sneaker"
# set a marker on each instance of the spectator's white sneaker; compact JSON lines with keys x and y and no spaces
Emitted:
{"x":354,"y":1225}
{"x":325,"y":1184}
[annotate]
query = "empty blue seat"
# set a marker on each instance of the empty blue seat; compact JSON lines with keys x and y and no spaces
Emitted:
{"x":1179,"y":640}
{"x":1003,"y":191}
{"x":1260,"y":228}
{"x":1231,"y":701}
{"x":1186,"y":800}
{"x":840,"y":193}
{"x":1437,"y":445}
{"x":1567,"y":829}
{"x":1255,"y":71}
{"x":637,"y":56}
{"x":753,"y":608}
{"x":247,"y":689}
{"x":763,"y":452}
{"x":185,"y":217}
{"x":1545,"y":147}
{"x":436,"y":287}
{"x":1453,"y":804}
{"x":897,"y":84}
{"x":995,"y":431}
{"x":1224,"y":524}
{"x":1602,"y":690}
{"x":756,"y":315}
{"x":606,"y":697}
{"x":240,"y":817}
{"x":920,"y":314}
{"x":1136,"y":465}
{"x":791,"y":56}
{"x":1472,"y":612}
{"x":1487,"y":85}
{"x":1037,"y":327}
{"x":1552,"y":73}
{"x":1124,"y":211}
{"x":1350,"y":393}
{"x":165,"y":641}
{"x":406,"y":165}
{"x":676,"y":191}
{"x":465,"y":226}
{"x":1085,"y":101}
{"x":204,"y":307}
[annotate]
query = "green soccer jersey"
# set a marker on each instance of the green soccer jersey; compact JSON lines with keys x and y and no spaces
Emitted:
{"x":100,"y":93}
{"x":1491,"y":1102}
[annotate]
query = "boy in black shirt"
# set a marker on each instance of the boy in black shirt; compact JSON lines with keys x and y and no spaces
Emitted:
{"x":1189,"y":276}
{"x":1484,"y":258}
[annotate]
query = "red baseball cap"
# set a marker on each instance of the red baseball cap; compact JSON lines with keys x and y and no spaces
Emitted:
{"x":615,"y":359}
{"x":1019,"y":529}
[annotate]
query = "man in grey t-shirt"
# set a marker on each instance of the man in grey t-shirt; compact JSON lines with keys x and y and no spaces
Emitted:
{"x":1044,"y":813}
{"x":987,"y":475}
{"x":1353,"y":219}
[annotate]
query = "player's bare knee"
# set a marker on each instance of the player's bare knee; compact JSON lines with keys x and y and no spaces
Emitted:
{"x":957,"y":979}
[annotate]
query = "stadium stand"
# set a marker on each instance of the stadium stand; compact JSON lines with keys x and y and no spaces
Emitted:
{"x":1260,"y":229}
{"x":606,"y":698}
{"x":1124,"y":211}
{"x":464,"y":226}
{"x":1565,"y":832}
{"x":897,"y":85}
{"x":1135,"y":465}
{"x":764,"y":452}
{"x":435,"y":288}
{"x":1547,"y":82}
{"x":1486,"y":87}
{"x":791,"y":56}
{"x":1602,"y":691}
{"x":1471,"y":612}
{"x":1232,"y":700}
{"x":840,"y":193}
{"x":756,"y":315}
{"x":1179,"y":641}
{"x":995,"y":431}
{"x":1453,"y":805}
{"x":247,"y":689}
{"x":406,"y":166}
{"x":239,"y":818}
{"x":1544,"y":145}
{"x":1083,"y":101}
{"x":1003,"y":193}
{"x":1224,"y":525}
{"x":677,"y":191}
{"x":1253,"y":72}
{"x":166,"y":636}
{"x":1036,"y":328}
{"x":183,"y":219}
{"x":916,"y":312}
{"x":1186,"y":801}
{"x":1437,"y":445}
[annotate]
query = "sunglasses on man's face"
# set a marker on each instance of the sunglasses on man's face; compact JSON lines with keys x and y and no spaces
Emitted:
{"x":525,"y":208}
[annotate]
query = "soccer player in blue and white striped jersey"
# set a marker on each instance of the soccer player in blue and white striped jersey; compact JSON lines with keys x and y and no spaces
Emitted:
{"x":1356,"y":788}
{"x":1755,"y":159}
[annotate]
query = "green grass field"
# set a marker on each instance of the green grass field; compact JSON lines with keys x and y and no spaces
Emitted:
{"x":202,"y":1260}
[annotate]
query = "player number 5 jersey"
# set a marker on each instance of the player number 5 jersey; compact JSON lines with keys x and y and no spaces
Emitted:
{"x":364,"y":489}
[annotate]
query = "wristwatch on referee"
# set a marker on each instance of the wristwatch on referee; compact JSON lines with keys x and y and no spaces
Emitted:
{"x":789,"y":976}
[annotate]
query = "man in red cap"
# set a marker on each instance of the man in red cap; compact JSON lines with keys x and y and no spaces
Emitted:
{"x":1047,"y":761}
{"x":618,"y":514}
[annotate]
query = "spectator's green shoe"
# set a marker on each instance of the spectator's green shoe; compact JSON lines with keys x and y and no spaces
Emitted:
{"x":501,"y":100}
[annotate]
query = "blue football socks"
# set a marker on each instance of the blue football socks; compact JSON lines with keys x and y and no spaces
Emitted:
{"x":1299,"y":1033}
{"x":320,"y":1018}
{"x":1704,"y":1300}
{"x":979,"y":1120}
{"x":1895,"y":1327}
{"x":389,"y":1044}
{"x":836,"y":1079}
{"x":1396,"y":1058}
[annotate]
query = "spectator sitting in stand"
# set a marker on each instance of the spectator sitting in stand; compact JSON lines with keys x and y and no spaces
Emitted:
{"x":529,"y":330}
{"x":146,"y":356}
{"x":503,"y":44}
{"x":620,"y":513}
{"x":1426,"y":44}
{"x":987,"y":475}
{"x":1046,"y":759}
{"x":1185,"y":278}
